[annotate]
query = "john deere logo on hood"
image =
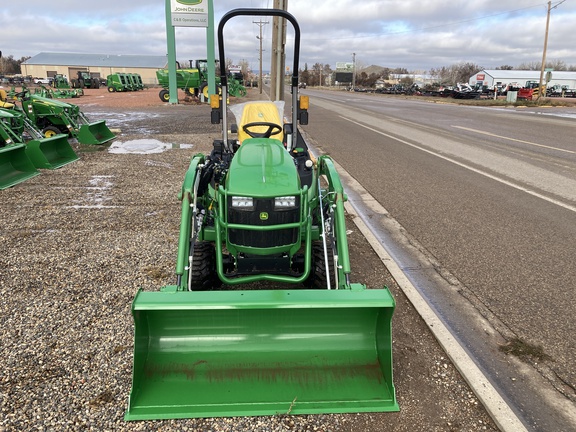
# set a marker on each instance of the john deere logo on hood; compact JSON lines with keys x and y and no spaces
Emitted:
{"x":189,"y":2}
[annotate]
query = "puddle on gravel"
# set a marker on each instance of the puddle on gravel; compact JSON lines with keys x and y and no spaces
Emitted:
{"x":144,"y":146}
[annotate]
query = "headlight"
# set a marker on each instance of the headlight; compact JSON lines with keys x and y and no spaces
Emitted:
{"x":246,"y":203}
{"x":284,"y":202}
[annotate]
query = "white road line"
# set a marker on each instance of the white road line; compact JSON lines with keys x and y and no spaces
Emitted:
{"x":513,"y":139}
{"x":468,"y":167}
{"x":497,"y":408}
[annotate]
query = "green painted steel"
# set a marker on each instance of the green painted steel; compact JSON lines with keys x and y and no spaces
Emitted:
{"x":51,"y":153}
{"x":238,"y":353}
{"x":45,"y":112}
{"x":265,"y":212}
{"x":262,"y":167}
{"x":44,"y":152}
{"x":15,"y":166}
{"x":94,"y":133}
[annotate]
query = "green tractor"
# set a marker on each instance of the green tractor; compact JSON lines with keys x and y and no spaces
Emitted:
{"x":55,"y":117}
{"x":86,"y":80}
{"x":193,"y":80}
{"x":263,"y":318}
{"x":61,"y":88}
{"x":44,"y":152}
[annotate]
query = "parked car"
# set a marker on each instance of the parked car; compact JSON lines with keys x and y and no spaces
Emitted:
{"x":42,"y":80}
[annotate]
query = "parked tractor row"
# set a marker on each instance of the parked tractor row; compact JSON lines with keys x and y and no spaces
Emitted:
{"x":121,"y":82}
{"x":34,"y":132}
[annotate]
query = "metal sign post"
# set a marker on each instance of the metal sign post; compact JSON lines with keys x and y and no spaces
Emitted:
{"x":189,"y":13}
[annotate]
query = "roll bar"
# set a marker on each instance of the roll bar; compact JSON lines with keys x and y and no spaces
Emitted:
{"x":224,"y":79}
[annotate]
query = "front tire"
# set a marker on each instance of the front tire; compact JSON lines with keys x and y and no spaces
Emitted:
{"x":50,"y":131}
{"x":204,"y":277}
{"x":164,"y":95}
{"x":318,"y":277}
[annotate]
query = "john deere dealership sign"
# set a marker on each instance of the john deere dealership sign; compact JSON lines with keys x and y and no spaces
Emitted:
{"x":189,"y":13}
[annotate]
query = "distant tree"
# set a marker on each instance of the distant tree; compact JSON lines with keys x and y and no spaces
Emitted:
{"x":305,"y":75}
{"x":10,"y":66}
{"x":505,"y":67}
{"x":399,"y":71}
{"x":326,"y":72}
{"x":407,"y":81}
{"x":361,"y":79}
{"x":451,"y":75}
{"x":529,"y":66}
{"x":385,"y":73}
{"x":371,"y":80}
{"x":315,"y":74}
{"x":557,"y":65}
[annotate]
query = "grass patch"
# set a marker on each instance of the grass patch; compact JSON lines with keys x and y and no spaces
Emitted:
{"x":525,"y":351}
{"x":156,"y":273}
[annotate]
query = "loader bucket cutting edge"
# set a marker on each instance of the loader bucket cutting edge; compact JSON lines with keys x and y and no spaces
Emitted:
{"x":249,"y":353}
{"x":95,"y":133}
{"x":15,"y":166}
{"x":51,"y":153}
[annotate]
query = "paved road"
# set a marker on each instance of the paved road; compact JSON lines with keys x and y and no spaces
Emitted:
{"x":488,"y":197}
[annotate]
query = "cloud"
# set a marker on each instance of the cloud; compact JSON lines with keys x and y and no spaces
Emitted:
{"x":409,"y":33}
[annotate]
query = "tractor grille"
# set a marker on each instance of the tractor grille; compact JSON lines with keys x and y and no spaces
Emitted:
{"x":263,"y":214}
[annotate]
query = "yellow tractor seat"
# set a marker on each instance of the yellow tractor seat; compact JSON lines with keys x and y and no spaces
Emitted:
{"x":259,"y":112}
{"x":4,"y":100}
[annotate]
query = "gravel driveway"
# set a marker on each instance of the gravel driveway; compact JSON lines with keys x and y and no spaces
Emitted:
{"x":78,"y":242}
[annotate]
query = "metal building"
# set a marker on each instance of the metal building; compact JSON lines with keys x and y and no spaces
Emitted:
{"x":492,"y":77}
{"x":47,"y":64}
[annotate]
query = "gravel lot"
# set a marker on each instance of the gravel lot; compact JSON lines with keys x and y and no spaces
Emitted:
{"x":78,"y":242}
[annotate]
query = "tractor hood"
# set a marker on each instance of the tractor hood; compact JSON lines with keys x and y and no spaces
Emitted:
{"x":262,"y":168}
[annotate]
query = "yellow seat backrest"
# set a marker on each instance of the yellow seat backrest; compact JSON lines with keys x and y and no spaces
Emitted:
{"x":259,"y":112}
{"x":3,"y":100}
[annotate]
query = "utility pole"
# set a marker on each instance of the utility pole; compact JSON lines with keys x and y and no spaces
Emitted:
{"x":353,"y":71}
{"x":546,"y":45}
{"x":278,"y":54}
{"x":260,"y":24}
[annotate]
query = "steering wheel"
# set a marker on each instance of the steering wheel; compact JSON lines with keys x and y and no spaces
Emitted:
{"x":272,"y":129}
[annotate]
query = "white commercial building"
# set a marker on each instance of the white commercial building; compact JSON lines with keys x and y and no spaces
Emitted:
{"x":492,"y":77}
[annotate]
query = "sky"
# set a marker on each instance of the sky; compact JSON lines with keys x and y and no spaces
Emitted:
{"x":414,"y":34}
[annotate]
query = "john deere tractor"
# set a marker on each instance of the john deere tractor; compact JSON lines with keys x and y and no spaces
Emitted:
{"x":263,"y":318}
{"x":193,"y":80}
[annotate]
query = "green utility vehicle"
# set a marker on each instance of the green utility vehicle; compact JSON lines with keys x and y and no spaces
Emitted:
{"x":263,"y":318}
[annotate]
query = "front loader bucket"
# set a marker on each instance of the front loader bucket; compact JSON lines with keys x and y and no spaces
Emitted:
{"x":15,"y":166}
{"x":261,"y":352}
{"x":50,"y":153}
{"x":95,"y":133}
